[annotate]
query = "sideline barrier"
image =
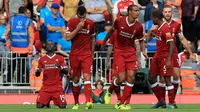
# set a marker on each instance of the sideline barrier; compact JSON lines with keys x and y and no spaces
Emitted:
{"x":135,"y":99}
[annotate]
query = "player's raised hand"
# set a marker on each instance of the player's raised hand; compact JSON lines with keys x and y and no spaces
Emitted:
{"x":80,"y":25}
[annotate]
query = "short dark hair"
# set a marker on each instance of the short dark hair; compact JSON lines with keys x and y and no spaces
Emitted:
{"x":157,"y":14}
{"x":130,"y":7}
{"x":81,"y":10}
{"x":21,"y":10}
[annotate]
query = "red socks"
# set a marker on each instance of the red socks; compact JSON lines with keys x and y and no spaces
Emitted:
{"x":76,"y":91}
{"x":87,"y":90}
{"x":176,"y":85}
{"x":162,"y":88}
{"x":117,"y":91}
{"x":127,"y":92}
{"x":171,"y":94}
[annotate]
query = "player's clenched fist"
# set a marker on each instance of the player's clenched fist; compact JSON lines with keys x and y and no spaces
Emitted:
{"x":80,"y":25}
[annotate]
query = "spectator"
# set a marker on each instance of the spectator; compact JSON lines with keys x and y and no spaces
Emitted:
{"x":177,"y":11}
{"x":120,"y":8}
{"x":36,"y":82}
{"x":55,"y":24}
{"x":44,"y":13}
{"x":96,"y":9}
{"x":3,"y":48}
{"x":100,"y":37}
{"x":43,"y":3}
{"x":197,"y":26}
{"x":64,"y":46}
{"x":98,"y":94}
{"x":153,"y":5}
{"x":185,"y":55}
{"x":69,"y":8}
{"x":36,"y":28}
{"x":20,"y":32}
{"x":189,"y":12}
{"x":12,"y":6}
{"x":144,"y":2}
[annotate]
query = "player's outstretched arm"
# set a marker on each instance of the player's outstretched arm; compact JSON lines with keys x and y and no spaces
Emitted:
{"x":109,"y":52}
{"x":110,"y":32}
{"x":93,"y":39}
{"x":186,"y":45}
{"x":142,"y":48}
{"x":171,"y":50}
{"x":150,"y":33}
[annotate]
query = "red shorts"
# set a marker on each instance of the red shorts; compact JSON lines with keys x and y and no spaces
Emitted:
{"x":125,"y":61}
{"x":157,"y":67}
{"x":45,"y":96}
{"x":80,"y":64}
{"x":176,"y":60}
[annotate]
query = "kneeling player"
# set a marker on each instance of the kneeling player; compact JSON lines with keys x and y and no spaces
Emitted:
{"x":51,"y":65}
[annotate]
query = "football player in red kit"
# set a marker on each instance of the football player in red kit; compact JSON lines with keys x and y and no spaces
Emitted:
{"x":162,"y":62}
{"x":176,"y":32}
{"x":128,"y":30}
{"x":81,"y":32}
{"x":52,"y":65}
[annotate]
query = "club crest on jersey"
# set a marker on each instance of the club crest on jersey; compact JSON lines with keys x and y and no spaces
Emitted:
{"x":133,"y":34}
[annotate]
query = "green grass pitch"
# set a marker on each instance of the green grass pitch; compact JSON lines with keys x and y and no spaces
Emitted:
{"x":97,"y":108}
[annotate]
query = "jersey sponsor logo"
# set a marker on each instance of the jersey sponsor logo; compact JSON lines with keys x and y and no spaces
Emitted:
{"x":84,"y":31}
{"x":50,"y":66}
{"x":128,"y":35}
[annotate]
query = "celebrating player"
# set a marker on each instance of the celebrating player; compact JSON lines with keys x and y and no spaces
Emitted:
{"x":81,"y":32}
{"x":176,"y":31}
{"x":128,"y":30}
{"x":162,"y":62}
{"x":51,"y":65}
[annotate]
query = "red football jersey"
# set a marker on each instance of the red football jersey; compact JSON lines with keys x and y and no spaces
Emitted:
{"x":126,"y":35}
{"x":163,"y":36}
{"x":81,"y":42}
{"x":175,"y":29}
{"x":51,"y":73}
{"x":121,"y":6}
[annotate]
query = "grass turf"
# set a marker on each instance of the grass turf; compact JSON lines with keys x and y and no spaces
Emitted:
{"x":97,"y":108}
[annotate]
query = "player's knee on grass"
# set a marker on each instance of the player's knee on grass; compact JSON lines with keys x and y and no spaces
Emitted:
{"x":152,"y":79}
{"x":62,"y":106}
{"x":39,"y":105}
{"x":76,"y":79}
